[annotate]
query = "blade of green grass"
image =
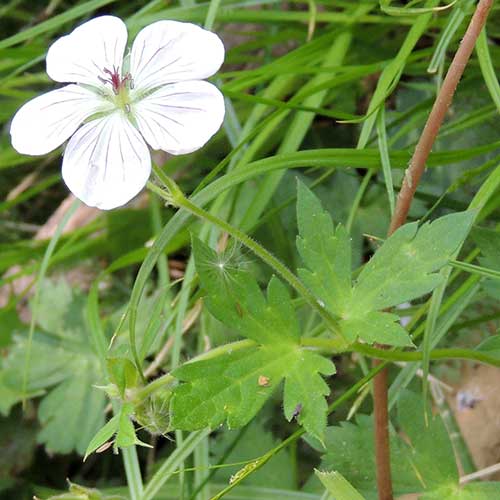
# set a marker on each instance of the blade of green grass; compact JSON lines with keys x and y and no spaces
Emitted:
{"x":384,"y":157}
{"x":172,"y":463}
{"x":54,"y":22}
{"x":452,"y":25}
{"x":487,"y":69}
{"x":302,"y":120}
{"x":38,"y":286}
{"x":473,"y":269}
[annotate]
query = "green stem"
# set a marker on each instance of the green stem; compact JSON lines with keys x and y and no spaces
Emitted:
{"x":133,"y":472}
{"x":131,"y":464}
{"x":333,"y":347}
{"x":330,"y":346}
{"x":435,"y":354}
{"x":153,"y":386}
{"x":473,"y":269}
{"x":175,"y":197}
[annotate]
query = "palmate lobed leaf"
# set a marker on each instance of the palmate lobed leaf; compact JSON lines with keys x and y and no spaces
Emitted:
{"x":305,"y":392}
{"x":64,"y":364}
{"x":422,"y":458}
{"x":349,"y":449}
{"x":227,"y":387}
{"x":325,"y":250}
{"x":235,"y":298}
{"x":235,"y":385}
{"x":376,"y":327}
{"x":402,"y":269}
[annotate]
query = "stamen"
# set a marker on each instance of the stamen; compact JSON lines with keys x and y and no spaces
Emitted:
{"x":117,"y":82}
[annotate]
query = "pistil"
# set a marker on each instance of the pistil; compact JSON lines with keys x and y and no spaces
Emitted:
{"x":119,"y":86}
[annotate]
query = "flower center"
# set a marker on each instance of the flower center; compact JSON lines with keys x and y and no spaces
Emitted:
{"x":119,"y":85}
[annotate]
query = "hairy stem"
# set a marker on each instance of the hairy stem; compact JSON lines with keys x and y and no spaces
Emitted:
{"x":330,"y":346}
{"x":404,"y":200}
{"x":175,"y":197}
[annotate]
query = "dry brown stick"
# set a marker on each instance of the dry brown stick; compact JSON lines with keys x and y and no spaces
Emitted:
{"x":412,"y":177}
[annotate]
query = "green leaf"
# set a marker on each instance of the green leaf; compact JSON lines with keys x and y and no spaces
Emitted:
{"x":235,"y":298}
{"x":337,"y":485}
{"x":125,"y":434}
{"x":422,"y":458}
{"x":403,"y":269}
{"x":227,"y":387}
{"x":349,"y":449}
{"x":404,"y":266}
{"x":121,"y":425}
{"x":430,"y":453}
{"x":305,"y":392}
{"x":68,"y":413}
{"x":104,"y":434}
{"x":326,"y":252}
{"x":122,"y":373}
{"x":376,"y":327}
{"x":233,"y":385}
{"x":64,"y":364}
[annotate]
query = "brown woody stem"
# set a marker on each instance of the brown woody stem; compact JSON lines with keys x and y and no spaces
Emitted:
{"x":405,"y":198}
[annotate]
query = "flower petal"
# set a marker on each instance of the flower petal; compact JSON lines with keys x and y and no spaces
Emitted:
{"x":90,"y":48}
{"x":107,"y":162}
{"x":170,"y":51}
{"x":45,"y":122}
{"x":180,"y":118}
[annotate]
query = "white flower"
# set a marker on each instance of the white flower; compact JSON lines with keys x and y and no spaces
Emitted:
{"x":155,"y":95}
